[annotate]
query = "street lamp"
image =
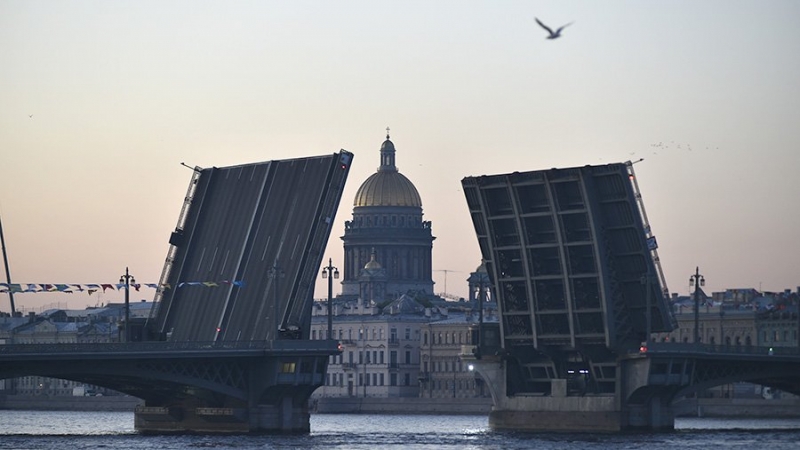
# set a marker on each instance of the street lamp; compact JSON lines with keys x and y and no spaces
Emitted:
{"x":127,"y":279}
{"x":483,"y":285}
{"x":330,"y":273}
{"x":697,"y":280}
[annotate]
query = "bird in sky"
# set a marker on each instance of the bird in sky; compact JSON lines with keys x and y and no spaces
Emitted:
{"x":553,"y":35}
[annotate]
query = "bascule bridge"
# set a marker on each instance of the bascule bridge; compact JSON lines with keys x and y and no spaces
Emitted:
{"x":232,"y":356}
{"x":574,"y":268}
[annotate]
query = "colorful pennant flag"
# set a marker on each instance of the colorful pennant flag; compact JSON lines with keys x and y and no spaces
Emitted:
{"x":91,"y":288}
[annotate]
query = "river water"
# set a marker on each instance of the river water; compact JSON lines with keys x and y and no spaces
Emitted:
{"x":51,"y":430}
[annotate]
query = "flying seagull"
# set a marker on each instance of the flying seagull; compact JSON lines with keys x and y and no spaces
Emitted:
{"x":555,"y":35}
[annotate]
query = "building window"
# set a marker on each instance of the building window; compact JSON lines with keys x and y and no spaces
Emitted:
{"x":425,"y":338}
{"x":408,"y":334}
{"x":408,"y":357}
{"x":393,"y":379}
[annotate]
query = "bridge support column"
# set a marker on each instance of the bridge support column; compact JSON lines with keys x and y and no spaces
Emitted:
{"x":288,"y":415}
{"x":555,"y":412}
{"x":539,"y":413}
{"x":560,"y":412}
{"x":285,"y":417}
{"x":656,"y":415}
{"x":257,"y":395}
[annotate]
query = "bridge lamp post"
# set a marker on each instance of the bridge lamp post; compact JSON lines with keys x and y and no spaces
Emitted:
{"x":127,"y":279}
{"x":481,"y":294}
{"x":330,"y":273}
{"x":697,"y":280}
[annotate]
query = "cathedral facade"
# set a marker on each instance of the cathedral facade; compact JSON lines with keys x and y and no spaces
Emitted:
{"x":387,"y":244}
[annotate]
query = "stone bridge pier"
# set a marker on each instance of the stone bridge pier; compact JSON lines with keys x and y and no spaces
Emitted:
{"x":635,"y":405}
{"x":263,"y":395}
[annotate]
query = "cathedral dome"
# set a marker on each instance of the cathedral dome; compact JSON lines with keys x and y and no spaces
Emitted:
{"x":387,"y":187}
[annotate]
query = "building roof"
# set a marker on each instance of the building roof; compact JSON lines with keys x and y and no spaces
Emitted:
{"x":404,"y":305}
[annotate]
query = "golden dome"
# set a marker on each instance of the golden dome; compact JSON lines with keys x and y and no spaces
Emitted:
{"x":387,"y":187}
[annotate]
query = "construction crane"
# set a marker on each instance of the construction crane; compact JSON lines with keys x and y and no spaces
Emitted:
{"x":445,"y":294}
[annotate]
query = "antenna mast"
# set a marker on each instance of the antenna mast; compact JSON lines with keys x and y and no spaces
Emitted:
{"x":5,"y":264}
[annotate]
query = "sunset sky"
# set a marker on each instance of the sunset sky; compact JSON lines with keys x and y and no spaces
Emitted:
{"x":100,"y":102}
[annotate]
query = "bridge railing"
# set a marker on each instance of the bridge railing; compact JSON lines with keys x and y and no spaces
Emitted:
{"x":167,"y":346}
{"x":686,"y":347}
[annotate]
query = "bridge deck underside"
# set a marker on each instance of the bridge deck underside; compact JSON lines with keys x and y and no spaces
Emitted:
{"x":264,"y":224}
{"x":568,"y":257}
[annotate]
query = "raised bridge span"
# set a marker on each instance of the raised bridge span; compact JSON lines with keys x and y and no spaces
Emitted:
{"x":574,"y":266}
{"x":236,"y":357}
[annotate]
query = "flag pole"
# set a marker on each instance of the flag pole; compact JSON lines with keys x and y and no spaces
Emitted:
{"x":5,"y":264}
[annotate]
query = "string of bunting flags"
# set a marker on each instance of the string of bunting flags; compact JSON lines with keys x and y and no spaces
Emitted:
{"x":91,"y":288}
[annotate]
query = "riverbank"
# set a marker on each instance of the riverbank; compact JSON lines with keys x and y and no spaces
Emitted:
{"x":411,"y":405}
{"x":66,"y":403}
{"x":737,"y":407}
{"x":704,"y":407}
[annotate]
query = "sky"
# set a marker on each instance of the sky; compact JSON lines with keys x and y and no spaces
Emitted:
{"x":101,"y":102}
